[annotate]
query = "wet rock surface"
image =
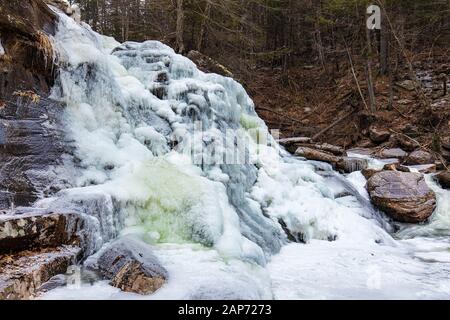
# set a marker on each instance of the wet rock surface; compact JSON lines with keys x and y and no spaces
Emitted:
{"x":29,"y":231}
{"x":131,"y":266}
{"x":404,"y":196}
{"x":30,"y":124}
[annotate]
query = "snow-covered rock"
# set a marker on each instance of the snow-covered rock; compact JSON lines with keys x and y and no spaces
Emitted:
{"x":131,"y":266}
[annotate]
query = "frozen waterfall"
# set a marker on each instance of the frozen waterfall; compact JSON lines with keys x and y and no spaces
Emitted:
{"x":142,"y":122}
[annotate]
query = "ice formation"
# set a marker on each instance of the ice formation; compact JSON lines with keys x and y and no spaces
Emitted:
{"x":132,"y":111}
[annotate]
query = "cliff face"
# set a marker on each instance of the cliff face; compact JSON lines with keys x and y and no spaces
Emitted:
{"x":27,"y":63}
{"x":29,"y":121}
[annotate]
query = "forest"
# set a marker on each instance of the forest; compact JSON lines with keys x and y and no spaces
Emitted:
{"x":295,"y":49}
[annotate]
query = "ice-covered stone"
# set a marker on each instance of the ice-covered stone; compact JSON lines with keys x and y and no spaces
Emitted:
{"x":131,"y":266}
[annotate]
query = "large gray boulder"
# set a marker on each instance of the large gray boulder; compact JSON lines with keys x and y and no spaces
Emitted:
{"x":419,"y":157}
{"x":393,"y":153}
{"x":404,"y":196}
{"x":131,"y":266}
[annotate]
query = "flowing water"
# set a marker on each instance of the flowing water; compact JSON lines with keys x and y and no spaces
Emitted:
{"x":141,"y":121}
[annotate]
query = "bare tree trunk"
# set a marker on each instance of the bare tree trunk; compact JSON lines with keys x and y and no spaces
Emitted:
{"x":384,"y":53}
{"x":372,"y":101}
{"x":319,"y":46}
{"x":204,"y":26}
{"x":180,"y":26}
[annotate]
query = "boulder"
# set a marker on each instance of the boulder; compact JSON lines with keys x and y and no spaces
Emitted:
{"x":379,"y":135}
{"x":131,"y":266}
{"x":406,"y":143}
{"x":444,"y":179}
{"x":393,"y":153}
{"x":404,"y":196}
{"x":419,"y":157}
{"x":22,"y":274}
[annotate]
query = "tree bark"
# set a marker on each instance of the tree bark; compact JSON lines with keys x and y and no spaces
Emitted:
{"x":372,"y":101}
{"x":384,"y":51}
{"x":180,"y":27}
{"x":204,"y":26}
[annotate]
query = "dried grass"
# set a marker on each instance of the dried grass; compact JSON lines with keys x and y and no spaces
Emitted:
{"x":28,"y":95}
{"x":45,"y":46}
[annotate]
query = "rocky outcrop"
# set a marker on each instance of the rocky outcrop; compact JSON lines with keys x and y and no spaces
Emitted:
{"x":22,"y":274}
{"x":36,"y":246}
{"x":131,"y":266}
{"x":404,"y":196}
{"x":30,"y":126}
{"x":30,"y":231}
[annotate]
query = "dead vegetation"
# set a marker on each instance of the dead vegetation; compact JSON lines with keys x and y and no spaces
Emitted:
{"x":29,"y":96}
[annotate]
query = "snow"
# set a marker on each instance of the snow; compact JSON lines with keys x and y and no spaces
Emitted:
{"x":352,"y":271}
